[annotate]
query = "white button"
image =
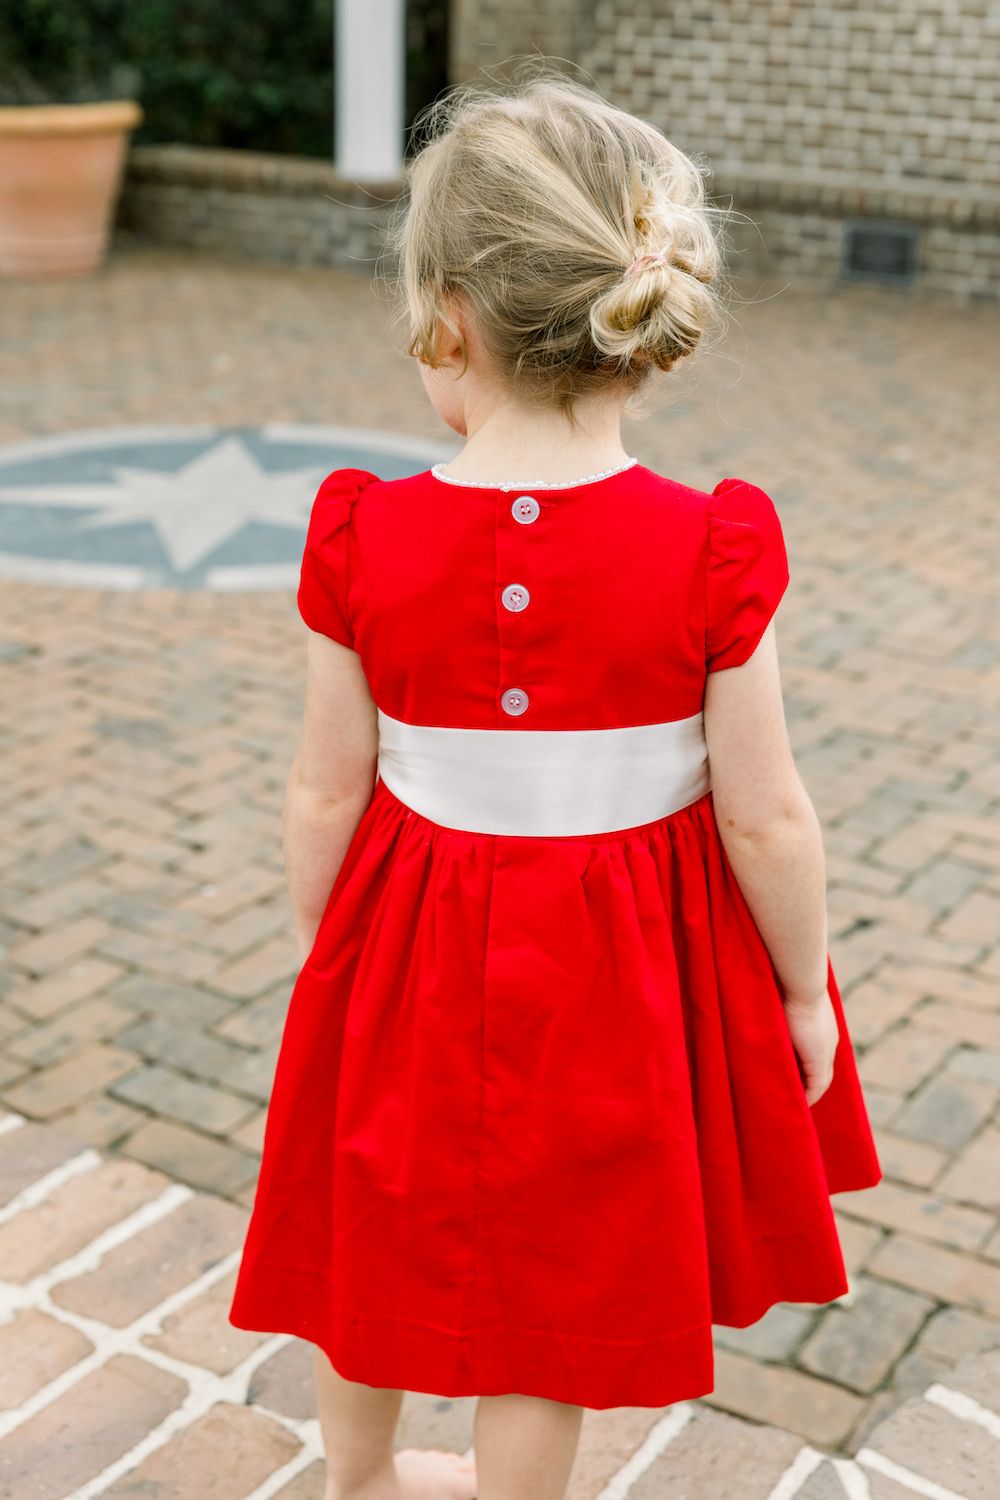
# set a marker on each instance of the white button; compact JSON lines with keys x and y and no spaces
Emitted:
{"x":525,"y":509}
{"x":514,"y":701}
{"x":514,"y":597}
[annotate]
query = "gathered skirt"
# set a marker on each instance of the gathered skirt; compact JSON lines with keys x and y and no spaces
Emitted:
{"x":537,"y":1122}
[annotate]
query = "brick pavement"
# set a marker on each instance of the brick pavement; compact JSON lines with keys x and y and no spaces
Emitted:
{"x":142,"y":906}
{"x":114,"y":1330}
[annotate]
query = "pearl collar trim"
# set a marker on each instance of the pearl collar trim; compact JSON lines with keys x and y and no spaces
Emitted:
{"x":538,"y":484}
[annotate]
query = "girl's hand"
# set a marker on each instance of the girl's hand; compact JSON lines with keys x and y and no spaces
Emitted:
{"x":812,"y":1023}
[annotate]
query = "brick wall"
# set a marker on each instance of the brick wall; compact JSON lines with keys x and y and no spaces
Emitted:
{"x":809,"y":111}
{"x":255,"y":204}
{"x":485,"y":32}
{"x":901,"y":93}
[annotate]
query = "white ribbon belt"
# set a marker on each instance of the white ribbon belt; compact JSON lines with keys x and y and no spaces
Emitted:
{"x":544,"y":782}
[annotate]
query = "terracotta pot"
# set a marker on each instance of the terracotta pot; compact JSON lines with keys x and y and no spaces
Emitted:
{"x":61,"y":167}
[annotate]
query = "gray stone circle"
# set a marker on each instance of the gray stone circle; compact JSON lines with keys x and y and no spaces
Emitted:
{"x":201,"y":507}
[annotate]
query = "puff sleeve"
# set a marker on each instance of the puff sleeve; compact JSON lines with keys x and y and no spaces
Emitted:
{"x":326,"y":577}
{"x":747,"y":571}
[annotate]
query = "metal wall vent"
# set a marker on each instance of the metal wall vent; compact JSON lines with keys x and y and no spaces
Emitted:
{"x":882,"y":250}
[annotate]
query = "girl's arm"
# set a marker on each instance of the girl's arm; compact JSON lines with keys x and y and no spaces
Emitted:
{"x":330,"y":782}
{"x":767,"y":822}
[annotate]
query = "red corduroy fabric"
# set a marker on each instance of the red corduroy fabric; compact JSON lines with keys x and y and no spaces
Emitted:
{"x":537,"y":1122}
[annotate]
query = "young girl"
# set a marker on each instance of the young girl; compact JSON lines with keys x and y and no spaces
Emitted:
{"x":565,"y":1077}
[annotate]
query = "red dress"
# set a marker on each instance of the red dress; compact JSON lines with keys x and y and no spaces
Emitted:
{"x":537,"y":1122}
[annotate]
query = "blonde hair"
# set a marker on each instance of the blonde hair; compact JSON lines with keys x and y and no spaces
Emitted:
{"x":532,"y":203}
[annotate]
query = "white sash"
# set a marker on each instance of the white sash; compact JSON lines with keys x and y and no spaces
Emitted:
{"x":544,"y":782}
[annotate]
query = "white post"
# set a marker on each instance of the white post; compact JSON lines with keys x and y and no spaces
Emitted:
{"x":370,"y":88}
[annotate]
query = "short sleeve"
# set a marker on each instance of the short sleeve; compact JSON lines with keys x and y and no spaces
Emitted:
{"x":747,"y":571}
{"x":326,"y":575}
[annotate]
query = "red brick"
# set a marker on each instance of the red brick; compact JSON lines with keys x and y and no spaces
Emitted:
{"x":961,"y":1279}
{"x":100,"y":1121}
{"x":857,"y":1345}
{"x":161,"y":956}
{"x":873,"y":1007}
{"x":234,"y":893}
{"x":976,"y":918}
{"x":156,"y":1262}
{"x":815,"y":1409}
{"x":29,"y":1152}
{"x":200,"y":1332}
{"x":90,"y":1021}
{"x":45,"y":997}
{"x":227,"y":1453}
{"x":961,"y":1023}
{"x":915,"y":1162}
{"x":902,"y":1058}
{"x":947,"y":1110}
{"x":258,"y":970}
{"x":58,"y":903}
{"x":168,"y":1092}
{"x":716,"y":1455}
{"x":72,"y":1215}
{"x":975,"y":1175}
{"x":954,"y":1333}
{"x":251,"y":1135}
{"x":106,"y":1413}
{"x":925,"y":982}
{"x":201,"y":1160}
{"x":284,"y":1382}
{"x":50,"y":950}
{"x":66,"y":1083}
{"x":34,"y":1349}
{"x":247,"y":928}
{"x":929,"y":1215}
{"x":259,"y":1022}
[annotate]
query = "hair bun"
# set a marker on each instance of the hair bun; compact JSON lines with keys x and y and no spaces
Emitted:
{"x":652,"y":319}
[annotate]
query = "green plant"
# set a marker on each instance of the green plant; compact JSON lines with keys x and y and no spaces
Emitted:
{"x":259,"y":76}
{"x":63,"y":51}
{"x":208,"y":72}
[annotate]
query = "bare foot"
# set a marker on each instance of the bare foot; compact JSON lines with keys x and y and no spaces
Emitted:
{"x":435,"y":1474}
{"x":419,"y":1474}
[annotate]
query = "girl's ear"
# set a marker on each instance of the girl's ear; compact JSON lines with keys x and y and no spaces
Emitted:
{"x":452,"y":333}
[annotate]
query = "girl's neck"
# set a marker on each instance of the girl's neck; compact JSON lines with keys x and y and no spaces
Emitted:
{"x":521,"y":444}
